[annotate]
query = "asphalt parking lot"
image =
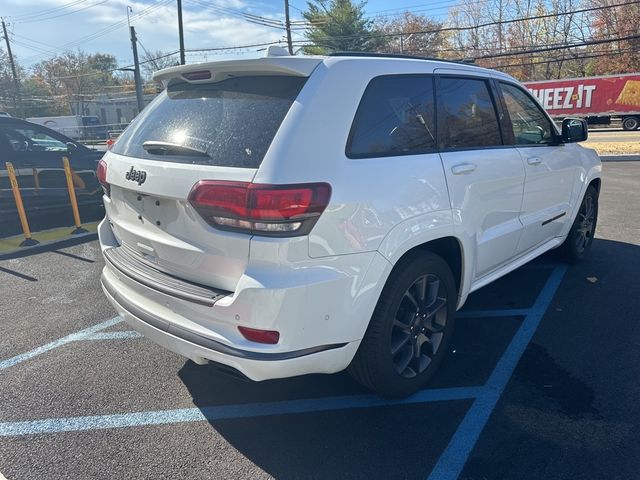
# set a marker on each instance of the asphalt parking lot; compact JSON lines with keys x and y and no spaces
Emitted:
{"x":541,"y":382}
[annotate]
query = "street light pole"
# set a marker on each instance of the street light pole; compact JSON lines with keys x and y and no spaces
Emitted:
{"x":287,"y":24}
{"x":16,"y":82}
{"x":181,"y":32}
{"x":136,"y":69}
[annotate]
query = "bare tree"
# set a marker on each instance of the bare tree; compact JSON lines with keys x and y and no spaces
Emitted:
{"x":156,"y":60}
{"x":504,"y":34}
{"x":413,"y":34}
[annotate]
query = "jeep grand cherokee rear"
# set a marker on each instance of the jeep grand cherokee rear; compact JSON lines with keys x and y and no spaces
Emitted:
{"x":294,"y":215}
{"x":201,"y":258}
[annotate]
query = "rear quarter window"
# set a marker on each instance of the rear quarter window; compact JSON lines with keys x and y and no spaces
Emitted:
{"x":395,"y":117}
{"x":234,"y":121}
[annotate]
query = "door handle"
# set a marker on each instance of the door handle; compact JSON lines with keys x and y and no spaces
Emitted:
{"x":534,"y":160}
{"x":463,"y":168}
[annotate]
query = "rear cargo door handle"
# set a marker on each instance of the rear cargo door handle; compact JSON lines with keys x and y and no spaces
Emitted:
{"x":534,"y":160}
{"x":463,"y":168}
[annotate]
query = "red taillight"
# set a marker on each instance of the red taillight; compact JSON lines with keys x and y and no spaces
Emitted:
{"x":282,"y":204}
{"x":260,"y":336}
{"x":276,"y":210}
{"x":101,"y":175}
{"x":226,"y":199}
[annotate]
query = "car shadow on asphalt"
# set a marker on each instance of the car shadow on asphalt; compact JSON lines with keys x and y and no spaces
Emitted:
{"x":400,"y":441}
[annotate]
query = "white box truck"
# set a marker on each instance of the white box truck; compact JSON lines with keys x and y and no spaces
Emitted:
{"x":78,"y":127}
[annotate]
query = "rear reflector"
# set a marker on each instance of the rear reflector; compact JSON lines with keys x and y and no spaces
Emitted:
{"x":272,"y":210}
{"x":260,"y":336}
{"x":101,"y":175}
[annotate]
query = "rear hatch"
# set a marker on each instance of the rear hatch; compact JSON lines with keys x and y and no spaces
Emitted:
{"x":209,"y":124}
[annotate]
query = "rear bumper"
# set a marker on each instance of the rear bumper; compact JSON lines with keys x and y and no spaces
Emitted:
{"x":255,"y":365}
{"x":320,"y":308}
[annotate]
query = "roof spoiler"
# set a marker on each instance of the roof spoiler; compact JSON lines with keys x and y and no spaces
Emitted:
{"x":275,"y":63}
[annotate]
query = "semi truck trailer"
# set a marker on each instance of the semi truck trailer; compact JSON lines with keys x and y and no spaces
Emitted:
{"x":599,"y":100}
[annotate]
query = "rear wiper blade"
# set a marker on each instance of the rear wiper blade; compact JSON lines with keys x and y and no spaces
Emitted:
{"x":168,"y":148}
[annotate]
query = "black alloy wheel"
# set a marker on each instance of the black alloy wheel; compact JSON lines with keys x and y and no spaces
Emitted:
{"x":580,"y":238}
{"x":411,"y":327}
{"x":418,"y":326}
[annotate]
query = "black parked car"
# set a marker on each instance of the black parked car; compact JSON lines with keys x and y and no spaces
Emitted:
{"x":36,"y":154}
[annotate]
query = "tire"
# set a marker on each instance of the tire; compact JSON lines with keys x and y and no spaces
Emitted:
{"x":580,"y":238}
{"x":631,"y":123}
{"x":415,"y":313}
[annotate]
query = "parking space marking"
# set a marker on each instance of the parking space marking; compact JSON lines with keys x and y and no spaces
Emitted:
{"x":95,"y":333}
{"x":59,"y":343}
{"x":538,"y":266}
{"x":453,"y":459}
{"x":448,"y":466}
{"x":224,"y":412}
{"x":113,"y":335}
{"x":511,"y":312}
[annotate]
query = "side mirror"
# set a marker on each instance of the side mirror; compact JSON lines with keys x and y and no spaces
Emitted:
{"x":574,"y":130}
{"x":71,"y":147}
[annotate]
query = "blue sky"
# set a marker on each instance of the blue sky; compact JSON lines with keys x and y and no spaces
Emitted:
{"x":41,"y":28}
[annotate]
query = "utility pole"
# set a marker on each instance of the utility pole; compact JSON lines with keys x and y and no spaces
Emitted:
{"x":136,"y":69}
{"x":16,"y":83}
{"x":181,"y":32}
{"x":287,"y":25}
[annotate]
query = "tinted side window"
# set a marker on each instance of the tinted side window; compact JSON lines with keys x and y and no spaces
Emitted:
{"x":530,"y":125}
{"x":466,"y":114}
{"x":31,"y":139}
{"x":395,"y":117}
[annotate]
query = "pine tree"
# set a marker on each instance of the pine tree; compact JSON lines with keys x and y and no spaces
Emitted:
{"x":340,"y":25}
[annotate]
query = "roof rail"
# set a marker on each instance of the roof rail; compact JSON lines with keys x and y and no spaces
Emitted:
{"x":397,"y":55}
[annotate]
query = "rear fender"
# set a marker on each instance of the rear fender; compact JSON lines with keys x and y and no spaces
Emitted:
{"x":422,"y":229}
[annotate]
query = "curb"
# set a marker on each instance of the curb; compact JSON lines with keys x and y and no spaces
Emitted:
{"x":620,"y":158}
{"x":49,"y":246}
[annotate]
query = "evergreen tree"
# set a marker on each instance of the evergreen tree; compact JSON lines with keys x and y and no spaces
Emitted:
{"x":339,"y":25}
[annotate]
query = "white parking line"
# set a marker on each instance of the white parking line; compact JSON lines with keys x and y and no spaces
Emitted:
{"x":511,"y":312}
{"x":449,"y":465}
{"x":453,"y":459}
{"x":185,"y":415}
{"x":113,"y":335}
{"x":59,"y":343}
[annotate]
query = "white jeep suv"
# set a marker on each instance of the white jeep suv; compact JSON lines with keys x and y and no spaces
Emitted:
{"x":292,"y":215}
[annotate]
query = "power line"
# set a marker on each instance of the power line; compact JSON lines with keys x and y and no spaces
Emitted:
{"x":547,"y":49}
{"x":578,"y":57}
{"x":108,"y":29}
{"x":115,"y":26}
{"x":43,"y":19}
{"x":488,"y":24}
{"x":260,"y":20}
{"x":445,"y":5}
{"x":235,"y":47}
{"x":49,"y":10}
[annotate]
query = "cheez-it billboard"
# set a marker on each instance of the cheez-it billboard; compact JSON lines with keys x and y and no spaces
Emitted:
{"x":589,"y":96}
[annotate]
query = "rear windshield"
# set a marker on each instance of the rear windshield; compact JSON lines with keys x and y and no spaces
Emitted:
{"x":231,"y":122}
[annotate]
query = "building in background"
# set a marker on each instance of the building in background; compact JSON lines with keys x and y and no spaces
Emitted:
{"x":114,"y":111}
